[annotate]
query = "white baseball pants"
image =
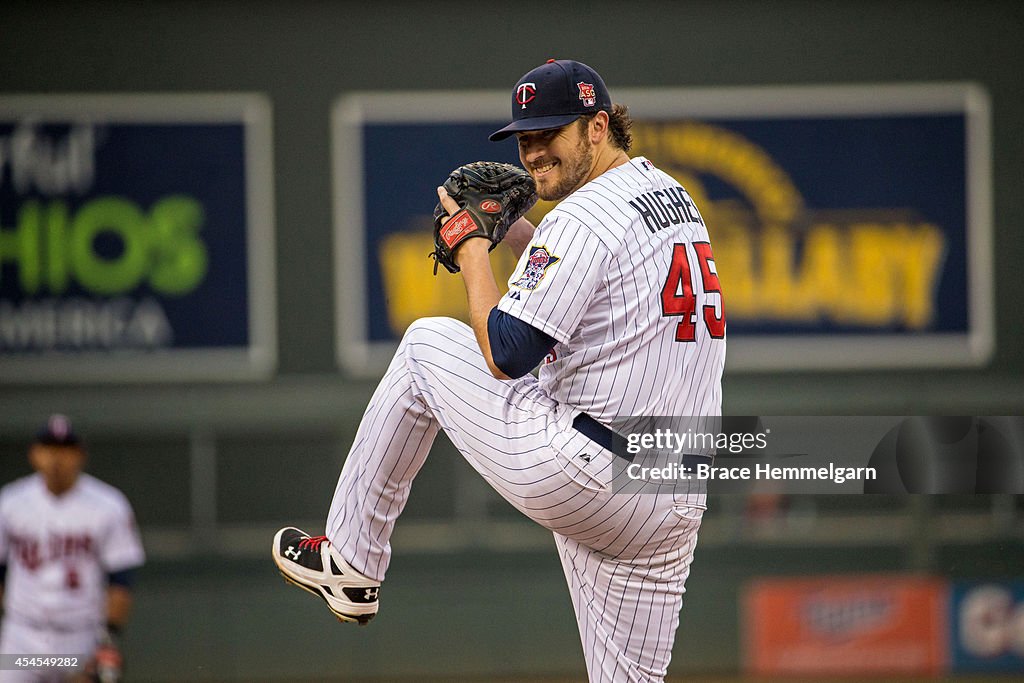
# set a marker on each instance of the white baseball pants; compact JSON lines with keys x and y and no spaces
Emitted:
{"x":625,"y":556}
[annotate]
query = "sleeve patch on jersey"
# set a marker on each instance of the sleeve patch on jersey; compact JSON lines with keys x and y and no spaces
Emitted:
{"x":539,"y":262}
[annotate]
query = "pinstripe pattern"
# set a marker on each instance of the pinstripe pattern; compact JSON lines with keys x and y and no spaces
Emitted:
{"x":625,"y":556}
{"x":617,"y":354}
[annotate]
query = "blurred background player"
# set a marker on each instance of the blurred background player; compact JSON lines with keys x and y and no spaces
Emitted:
{"x":68,"y":549}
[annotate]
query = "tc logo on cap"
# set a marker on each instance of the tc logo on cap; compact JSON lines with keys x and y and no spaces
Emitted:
{"x":587,"y":94}
{"x":525,"y":93}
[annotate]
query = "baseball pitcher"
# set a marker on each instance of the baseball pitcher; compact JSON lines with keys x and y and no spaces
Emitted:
{"x":616,"y":296}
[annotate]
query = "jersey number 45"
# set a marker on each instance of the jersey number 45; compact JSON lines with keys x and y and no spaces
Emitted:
{"x":677,"y":298}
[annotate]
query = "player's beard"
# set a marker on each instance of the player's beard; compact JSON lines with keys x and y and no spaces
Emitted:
{"x":573,"y":172}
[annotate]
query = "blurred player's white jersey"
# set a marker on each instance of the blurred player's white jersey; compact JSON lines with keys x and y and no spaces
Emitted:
{"x":621,"y":275}
{"x":59,"y":549}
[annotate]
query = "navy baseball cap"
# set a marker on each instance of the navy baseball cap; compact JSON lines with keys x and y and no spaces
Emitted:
{"x":554,"y":94}
{"x":57,"y":432}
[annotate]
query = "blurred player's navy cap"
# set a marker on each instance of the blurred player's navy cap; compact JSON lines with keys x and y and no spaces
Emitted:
{"x":57,"y":431}
{"x":554,"y":94}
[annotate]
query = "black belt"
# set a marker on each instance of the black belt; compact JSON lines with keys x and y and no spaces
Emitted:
{"x":605,"y":438}
{"x":595,"y":431}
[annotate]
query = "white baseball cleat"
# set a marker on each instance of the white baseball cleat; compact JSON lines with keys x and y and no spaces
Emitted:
{"x":310,"y":563}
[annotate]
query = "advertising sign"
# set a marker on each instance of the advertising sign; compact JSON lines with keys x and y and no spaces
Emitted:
{"x":136,"y":238}
{"x":845,"y":625}
{"x":987,"y":627}
{"x":851,"y":224}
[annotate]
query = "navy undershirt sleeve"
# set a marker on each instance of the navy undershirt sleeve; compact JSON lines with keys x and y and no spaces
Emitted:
{"x":123,"y":578}
{"x":516,"y":347}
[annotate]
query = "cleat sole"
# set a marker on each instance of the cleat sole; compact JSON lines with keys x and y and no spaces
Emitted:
{"x":362,"y":620}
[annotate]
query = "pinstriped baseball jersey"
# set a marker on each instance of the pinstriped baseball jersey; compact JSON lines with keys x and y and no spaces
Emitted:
{"x":612,"y":273}
{"x":622,"y":276}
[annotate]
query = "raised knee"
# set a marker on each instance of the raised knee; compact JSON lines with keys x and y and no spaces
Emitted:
{"x":426,"y":332}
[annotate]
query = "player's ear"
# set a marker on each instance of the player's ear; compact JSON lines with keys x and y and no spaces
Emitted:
{"x":598,"y":128}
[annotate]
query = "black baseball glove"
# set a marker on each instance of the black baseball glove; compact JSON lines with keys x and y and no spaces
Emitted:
{"x":491,"y":196}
